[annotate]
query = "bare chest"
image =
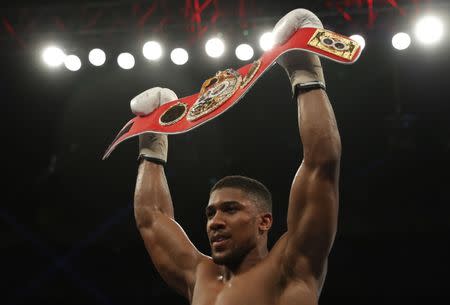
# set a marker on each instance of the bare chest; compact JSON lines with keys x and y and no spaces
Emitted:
{"x":251,"y":290}
{"x":240,"y":291}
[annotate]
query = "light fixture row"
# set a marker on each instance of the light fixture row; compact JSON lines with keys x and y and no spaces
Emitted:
{"x":153,"y":51}
{"x":429,"y":30}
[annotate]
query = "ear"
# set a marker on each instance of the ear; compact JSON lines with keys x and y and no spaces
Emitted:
{"x":265,"y":222}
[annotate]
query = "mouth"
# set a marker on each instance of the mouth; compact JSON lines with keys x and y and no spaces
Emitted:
{"x":219,"y":241}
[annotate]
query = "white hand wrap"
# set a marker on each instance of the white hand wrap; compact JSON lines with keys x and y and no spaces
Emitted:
{"x":303,"y":68}
{"x":152,"y":146}
{"x":147,"y":101}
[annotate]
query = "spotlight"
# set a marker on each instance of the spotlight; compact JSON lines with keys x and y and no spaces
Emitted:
{"x":359,"y":39}
{"x":214,"y":47}
{"x":179,"y":56}
{"x":266,"y":41}
{"x":97,"y":57}
{"x":53,"y":56}
{"x":401,"y":41}
{"x":429,"y":30}
{"x":152,"y":50}
{"x":244,"y":52}
{"x":125,"y":61}
{"x":72,"y":63}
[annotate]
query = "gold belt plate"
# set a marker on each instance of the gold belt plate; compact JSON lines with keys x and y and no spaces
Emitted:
{"x":333,"y":43}
{"x":214,"y":92}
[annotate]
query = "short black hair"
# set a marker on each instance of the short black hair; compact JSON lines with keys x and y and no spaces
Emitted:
{"x":251,"y":186}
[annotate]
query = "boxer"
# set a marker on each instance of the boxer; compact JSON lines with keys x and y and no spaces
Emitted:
{"x":241,"y":270}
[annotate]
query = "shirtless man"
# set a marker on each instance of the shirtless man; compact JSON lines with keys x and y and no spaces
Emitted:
{"x":241,"y":269}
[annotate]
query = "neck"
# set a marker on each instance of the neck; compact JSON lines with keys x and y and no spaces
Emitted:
{"x":247,"y":263}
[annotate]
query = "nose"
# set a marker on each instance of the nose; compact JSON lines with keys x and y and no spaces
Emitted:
{"x":216,"y":222}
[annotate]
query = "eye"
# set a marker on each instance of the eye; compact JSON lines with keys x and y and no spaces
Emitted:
{"x":230,"y":210}
{"x":209,"y":214}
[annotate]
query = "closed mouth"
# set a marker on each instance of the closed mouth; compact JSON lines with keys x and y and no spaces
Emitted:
{"x":218,"y":239}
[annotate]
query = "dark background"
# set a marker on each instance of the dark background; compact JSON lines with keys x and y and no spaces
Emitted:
{"x":68,"y":234}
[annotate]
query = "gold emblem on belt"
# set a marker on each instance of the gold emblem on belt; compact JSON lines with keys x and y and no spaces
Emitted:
{"x":214,"y":92}
{"x":333,"y":43}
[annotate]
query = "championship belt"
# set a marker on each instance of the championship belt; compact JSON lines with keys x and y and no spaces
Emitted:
{"x":226,"y":88}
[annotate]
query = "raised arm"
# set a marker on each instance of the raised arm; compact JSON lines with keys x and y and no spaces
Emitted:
{"x":313,"y":202}
{"x":171,"y":251}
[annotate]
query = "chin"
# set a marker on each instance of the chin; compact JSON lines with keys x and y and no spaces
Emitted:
{"x":226,"y":258}
{"x":220,"y":259}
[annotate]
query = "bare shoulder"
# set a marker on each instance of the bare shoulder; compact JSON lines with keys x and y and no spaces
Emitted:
{"x":207,"y":268}
{"x":207,"y":282}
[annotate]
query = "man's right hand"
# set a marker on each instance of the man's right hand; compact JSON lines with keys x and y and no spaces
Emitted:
{"x":152,"y":147}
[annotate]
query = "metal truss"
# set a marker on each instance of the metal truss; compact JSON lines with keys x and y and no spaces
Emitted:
{"x":191,"y":18}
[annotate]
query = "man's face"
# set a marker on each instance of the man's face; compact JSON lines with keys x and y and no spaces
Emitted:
{"x":231,"y":225}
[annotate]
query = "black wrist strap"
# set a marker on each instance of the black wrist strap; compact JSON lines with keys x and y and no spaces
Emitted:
{"x":150,"y":159}
{"x":302,"y":88}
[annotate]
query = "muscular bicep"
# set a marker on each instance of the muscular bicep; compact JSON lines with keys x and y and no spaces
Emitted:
{"x":172,"y":253}
{"x":312,"y":217}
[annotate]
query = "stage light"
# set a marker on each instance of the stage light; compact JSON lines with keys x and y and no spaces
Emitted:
{"x":429,"y":30}
{"x":214,"y":47}
{"x":244,"y":52}
{"x":72,"y":63}
{"x":266,"y":41}
{"x":125,"y":61}
{"x":359,"y":39}
{"x":401,"y":41}
{"x":179,"y":56}
{"x":152,"y":50}
{"x":53,"y":56}
{"x":97,"y":57}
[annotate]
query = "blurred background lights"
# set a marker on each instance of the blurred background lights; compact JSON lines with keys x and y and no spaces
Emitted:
{"x":179,"y":56}
{"x":125,"y":61}
{"x":152,"y":50}
{"x":359,"y":39}
{"x":214,"y":47}
{"x":72,"y":63}
{"x":266,"y":41}
{"x":53,"y":56}
{"x":429,"y":30}
{"x":401,"y":41}
{"x":97,"y":57}
{"x":244,"y":52}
